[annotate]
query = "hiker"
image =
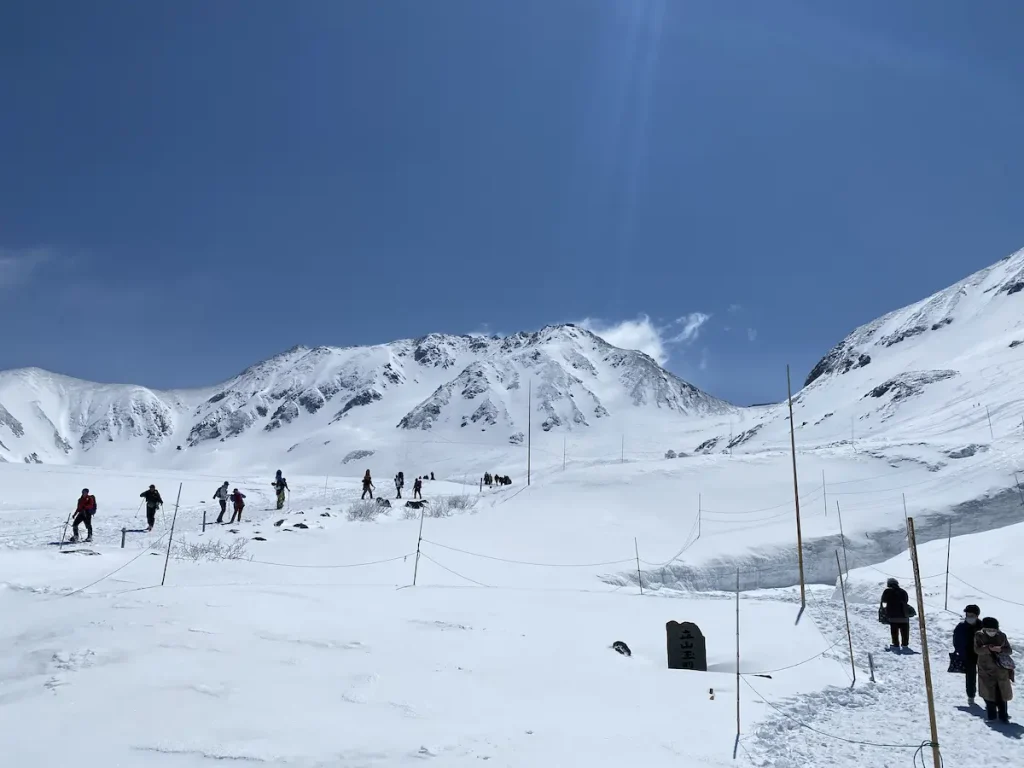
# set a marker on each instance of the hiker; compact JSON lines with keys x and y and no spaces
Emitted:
{"x":995,"y":669}
{"x":83,"y":514}
{"x":431,"y":475}
{"x":487,"y":479}
{"x":368,"y":486}
{"x":399,"y":482}
{"x":153,"y":502}
{"x":221,"y":495}
{"x":280,"y":485}
{"x":238,"y":499}
{"x":963,"y":647}
{"x":897,"y":611}
{"x":417,"y":488}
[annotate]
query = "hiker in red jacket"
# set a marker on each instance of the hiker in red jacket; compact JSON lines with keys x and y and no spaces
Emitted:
{"x":83,"y":514}
{"x":238,"y":499}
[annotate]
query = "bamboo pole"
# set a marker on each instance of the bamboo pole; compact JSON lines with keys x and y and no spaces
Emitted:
{"x":529,"y":429}
{"x":846,"y":611}
{"x":639,"y":578}
{"x":796,"y":494}
{"x":419,"y":543}
{"x":949,"y":547}
{"x":842,"y":538}
{"x":170,"y":537}
{"x":924,"y":645}
{"x":737,"y":654}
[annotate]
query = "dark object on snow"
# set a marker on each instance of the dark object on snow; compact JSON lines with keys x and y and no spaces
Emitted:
{"x":687,"y":648}
{"x":300,"y":525}
{"x":431,"y":475}
{"x":957,"y":664}
{"x":258,"y":538}
{"x":411,"y":504}
{"x":279,"y":523}
{"x":382,"y":502}
{"x":325,"y":514}
{"x":620,"y":647}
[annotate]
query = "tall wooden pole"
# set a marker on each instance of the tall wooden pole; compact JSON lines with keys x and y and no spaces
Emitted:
{"x":171,"y":536}
{"x":990,"y":430}
{"x":846,"y":611}
{"x":529,"y":428}
{"x":622,"y":454}
{"x":924,"y":644}
{"x":563,"y":454}
{"x":700,"y":511}
{"x":1015,"y":480}
{"x":796,"y":493}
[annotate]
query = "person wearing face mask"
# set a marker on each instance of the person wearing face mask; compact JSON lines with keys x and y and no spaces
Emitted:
{"x":963,"y":647}
{"x":995,"y":669}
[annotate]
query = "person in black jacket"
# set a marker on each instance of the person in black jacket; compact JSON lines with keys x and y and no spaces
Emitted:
{"x":896,"y":603}
{"x":963,"y":647}
{"x":153,"y":503}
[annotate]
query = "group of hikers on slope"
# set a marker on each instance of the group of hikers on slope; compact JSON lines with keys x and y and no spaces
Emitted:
{"x":417,"y":486}
{"x":981,"y":650}
{"x":86,"y":508}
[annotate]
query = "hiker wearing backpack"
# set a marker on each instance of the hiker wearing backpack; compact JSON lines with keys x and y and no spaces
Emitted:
{"x":221,"y":495}
{"x":367,"y":485}
{"x":83,"y":514}
{"x":280,"y":485}
{"x":238,"y":499}
{"x":399,"y":484}
{"x":417,"y":488}
{"x":153,"y":503}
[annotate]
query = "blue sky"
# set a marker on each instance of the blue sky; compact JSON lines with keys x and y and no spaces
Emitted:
{"x":189,"y":187}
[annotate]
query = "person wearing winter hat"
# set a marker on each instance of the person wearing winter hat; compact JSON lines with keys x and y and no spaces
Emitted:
{"x":896,"y":604}
{"x":995,"y":669}
{"x":963,"y":647}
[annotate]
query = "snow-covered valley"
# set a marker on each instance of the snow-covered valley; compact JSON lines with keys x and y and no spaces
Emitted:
{"x":313,"y":648}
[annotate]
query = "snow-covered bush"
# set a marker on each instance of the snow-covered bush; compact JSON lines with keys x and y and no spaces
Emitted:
{"x":366,"y":511}
{"x":211,"y":550}
{"x":442,"y":506}
{"x":670,"y":454}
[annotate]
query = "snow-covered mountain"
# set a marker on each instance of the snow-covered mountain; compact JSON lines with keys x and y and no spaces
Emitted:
{"x":337,"y":399}
{"x":937,"y":369}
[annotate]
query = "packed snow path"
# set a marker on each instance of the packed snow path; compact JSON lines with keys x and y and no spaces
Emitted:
{"x":840,"y":726}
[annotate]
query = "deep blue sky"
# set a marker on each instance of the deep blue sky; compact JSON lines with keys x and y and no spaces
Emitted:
{"x":189,"y":187}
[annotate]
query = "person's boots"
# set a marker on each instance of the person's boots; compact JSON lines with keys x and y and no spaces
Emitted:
{"x":88,"y":538}
{"x":991,"y":711}
{"x":1004,"y":716}
{"x":73,"y":539}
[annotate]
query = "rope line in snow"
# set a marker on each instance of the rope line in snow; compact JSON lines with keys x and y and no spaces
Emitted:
{"x":793,"y":666}
{"x":980,"y":591}
{"x":116,"y":570}
{"x":329,"y":567}
{"x":453,"y":573}
{"x":525,"y":562}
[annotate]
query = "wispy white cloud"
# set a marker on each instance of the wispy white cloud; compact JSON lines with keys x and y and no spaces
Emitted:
{"x":691,"y":325}
{"x":640,"y":334}
{"x":734,"y":308}
{"x":17,"y":265}
{"x":703,"y":365}
{"x":752,"y":334}
{"x":644,"y":335}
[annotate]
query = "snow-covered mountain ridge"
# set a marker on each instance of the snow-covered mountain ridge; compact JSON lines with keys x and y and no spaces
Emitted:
{"x":438,"y":383}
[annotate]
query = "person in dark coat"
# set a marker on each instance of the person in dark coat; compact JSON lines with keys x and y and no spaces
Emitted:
{"x":238,"y":500}
{"x":896,"y":603}
{"x":367,"y":485}
{"x":995,"y":681}
{"x":153,"y":503}
{"x":417,"y":488}
{"x":280,"y":486}
{"x":431,"y":475}
{"x":963,"y":647}
{"x":83,"y":514}
{"x":399,"y":483}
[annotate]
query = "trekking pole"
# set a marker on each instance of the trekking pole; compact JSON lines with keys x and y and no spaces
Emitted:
{"x":64,"y":533}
